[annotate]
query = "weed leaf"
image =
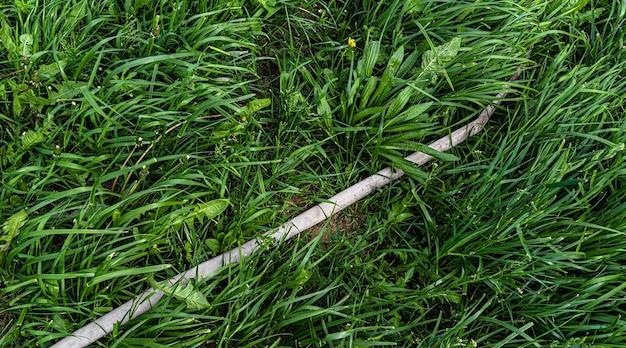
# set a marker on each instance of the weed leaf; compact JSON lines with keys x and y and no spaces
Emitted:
{"x":26,"y":43}
{"x":255,"y":106}
{"x":434,"y":61}
{"x":193,"y":298}
{"x":31,"y":138}
{"x":201,"y":211}
{"x":49,"y":71}
{"x":11,"y":228}
{"x":66,"y":90}
{"x":6,"y":36}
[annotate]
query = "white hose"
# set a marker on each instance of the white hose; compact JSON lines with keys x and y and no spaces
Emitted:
{"x":144,"y":302}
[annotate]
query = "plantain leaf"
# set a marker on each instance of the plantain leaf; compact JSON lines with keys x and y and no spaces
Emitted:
{"x":323,"y":108}
{"x":411,"y":115}
{"x":417,"y":147}
{"x":395,"y":61}
{"x":324,"y":111}
{"x":408,"y":64}
{"x":372,"y":48}
{"x":399,"y":101}
{"x":369,"y":112}
{"x":410,"y":168}
{"x":368,"y":90}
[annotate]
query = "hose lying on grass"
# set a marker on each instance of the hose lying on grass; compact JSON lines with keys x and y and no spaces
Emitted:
{"x":144,"y":302}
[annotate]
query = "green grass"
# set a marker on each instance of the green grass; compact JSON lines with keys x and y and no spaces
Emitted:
{"x":125,"y":127}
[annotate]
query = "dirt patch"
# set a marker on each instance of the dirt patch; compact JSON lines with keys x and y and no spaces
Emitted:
{"x":340,"y":223}
{"x":343,"y":223}
{"x":6,"y":319}
{"x":298,"y":203}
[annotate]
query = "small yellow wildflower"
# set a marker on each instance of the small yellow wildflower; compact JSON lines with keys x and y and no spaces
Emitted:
{"x":351,"y":42}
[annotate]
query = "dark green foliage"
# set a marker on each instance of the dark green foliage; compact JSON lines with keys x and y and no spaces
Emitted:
{"x":138,"y":139}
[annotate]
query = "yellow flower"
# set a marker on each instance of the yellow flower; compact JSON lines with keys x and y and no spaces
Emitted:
{"x":351,"y":42}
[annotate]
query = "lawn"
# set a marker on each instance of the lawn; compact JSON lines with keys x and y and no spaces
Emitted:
{"x":139,"y":139}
